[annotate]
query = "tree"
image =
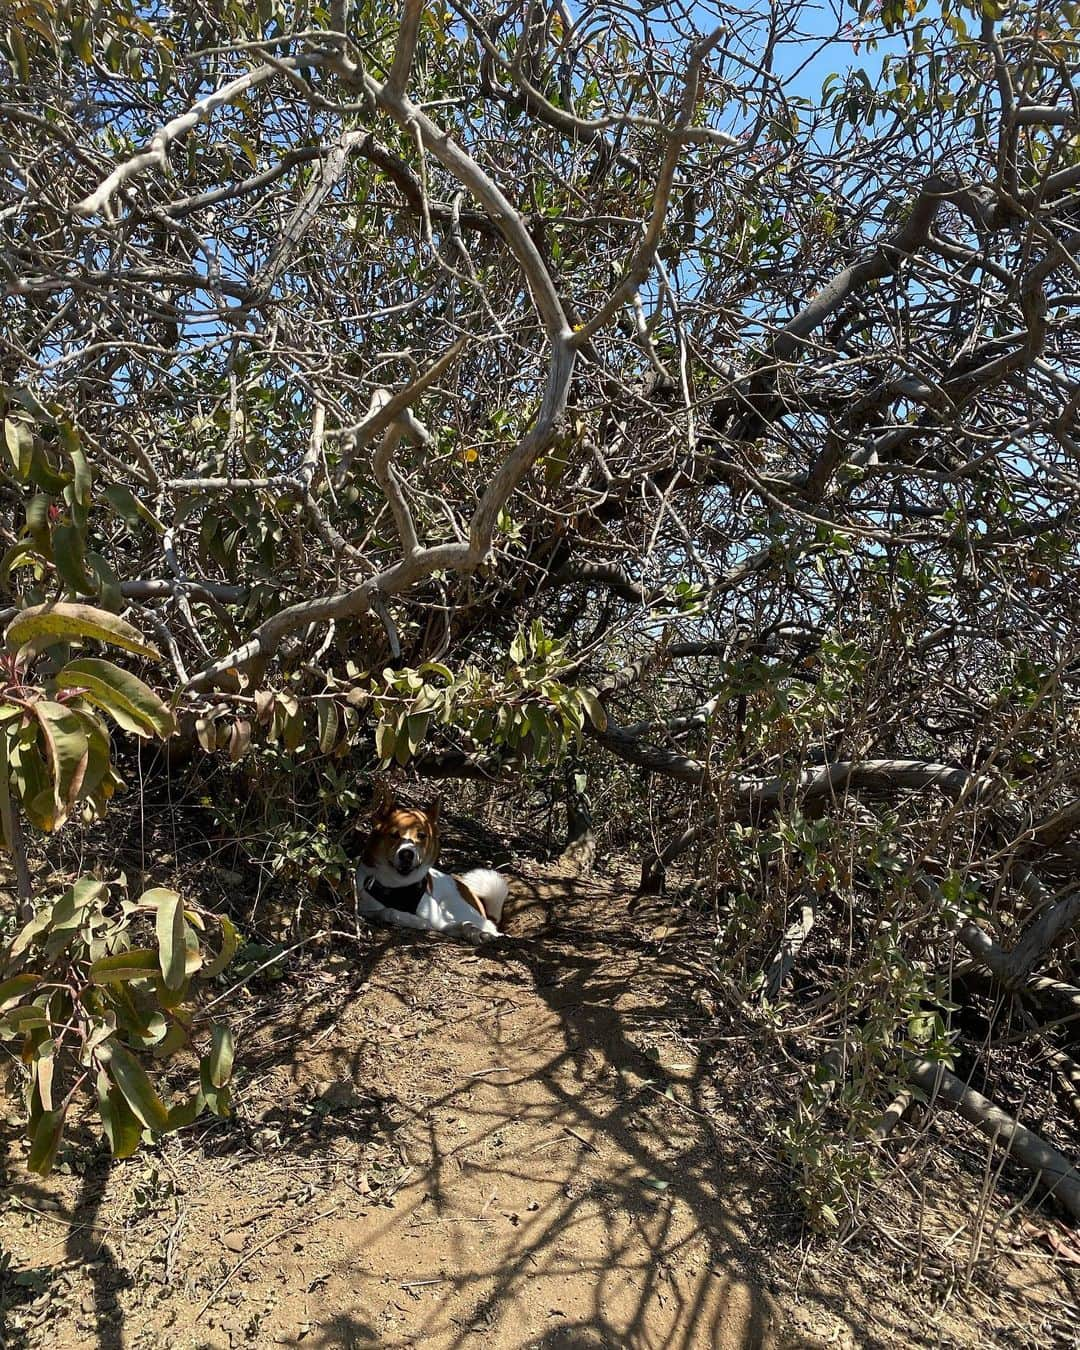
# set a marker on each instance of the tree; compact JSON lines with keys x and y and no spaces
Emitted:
{"x":683,"y":391}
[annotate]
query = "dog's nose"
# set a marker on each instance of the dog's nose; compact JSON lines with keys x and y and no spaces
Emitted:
{"x":406,"y":857}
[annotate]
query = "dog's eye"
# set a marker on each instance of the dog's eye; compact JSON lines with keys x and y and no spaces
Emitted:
{"x":421,"y":838}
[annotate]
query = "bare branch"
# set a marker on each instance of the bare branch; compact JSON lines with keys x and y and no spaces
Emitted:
{"x":637,"y":269}
{"x":1058,"y":1175}
{"x":156,"y":155}
{"x":405,"y":49}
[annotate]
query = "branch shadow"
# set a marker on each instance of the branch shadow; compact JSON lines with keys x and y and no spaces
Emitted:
{"x":108,"y":1278}
{"x":33,"y":1286}
{"x":639,"y":1192}
{"x":561,"y":1181}
{"x":668,"y":1211}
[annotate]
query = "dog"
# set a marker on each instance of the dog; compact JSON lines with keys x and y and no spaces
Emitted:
{"x":397,"y":881}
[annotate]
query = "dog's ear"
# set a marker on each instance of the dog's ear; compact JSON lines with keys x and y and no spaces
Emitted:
{"x":382,"y":798}
{"x":432,"y":810}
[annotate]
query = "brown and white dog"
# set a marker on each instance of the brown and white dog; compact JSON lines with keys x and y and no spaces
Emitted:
{"x":397,"y":881}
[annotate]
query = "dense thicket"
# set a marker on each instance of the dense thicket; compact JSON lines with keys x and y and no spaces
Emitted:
{"x":675,"y":408}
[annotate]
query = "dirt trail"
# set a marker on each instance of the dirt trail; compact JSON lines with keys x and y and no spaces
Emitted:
{"x":441,"y":1148}
{"x":556,"y":1197}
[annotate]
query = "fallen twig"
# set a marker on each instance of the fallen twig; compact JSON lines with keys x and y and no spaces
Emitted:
{"x":1068,"y":1073}
{"x":1064,"y":993}
{"x":260,"y":1247}
{"x":581,"y":1138}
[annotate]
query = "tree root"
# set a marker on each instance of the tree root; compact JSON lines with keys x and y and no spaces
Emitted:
{"x":1054,"y":989}
{"x":1056,"y":921}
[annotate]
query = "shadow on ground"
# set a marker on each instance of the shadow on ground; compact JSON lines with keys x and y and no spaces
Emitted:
{"x":533,"y":1146}
{"x":566,"y":1186}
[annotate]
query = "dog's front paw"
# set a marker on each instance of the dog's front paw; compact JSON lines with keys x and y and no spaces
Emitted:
{"x":470,"y":933}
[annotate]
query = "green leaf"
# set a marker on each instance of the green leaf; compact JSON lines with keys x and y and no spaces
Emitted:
{"x":27,"y":400}
{"x":219,"y":1100}
{"x":101,"y":1030}
{"x":44,"y":476}
{"x":37,"y":524}
{"x":127,"y":507}
{"x":185,"y":1113}
{"x":72,"y":912}
{"x":37,"y":925}
{"x":30,"y":778}
{"x":385,"y":740}
{"x":230,"y":939}
{"x":68,"y":557}
{"x":68,"y":752}
{"x":70,"y":621}
{"x":247,"y":149}
{"x":98,"y":761}
{"x":84,"y":480}
{"x":19,"y":437}
{"x":18,"y":50}
{"x":8,"y":786}
{"x":132,"y":1080}
{"x":122,"y":1127}
{"x":174,"y":1039}
{"x":132,"y":704}
{"x":46,"y":1141}
{"x":141,"y":963}
{"x":149,"y":1033}
{"x":22,"y":554}
{"x":107,"y":583}
{"x":19,"y":1021}
{"x":171,"y":935}
{"x":170,"y":998}
{"x":416,"y":725}
{"x":292,"y":733}
{"x":329,"y":721}
{"x":595,"y":709}
{"x":220,"y":1061}
{"x":193,"y":957}
{"x":11,"y":991}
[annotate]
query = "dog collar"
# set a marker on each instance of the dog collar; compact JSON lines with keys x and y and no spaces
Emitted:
{"x":406,"y":899}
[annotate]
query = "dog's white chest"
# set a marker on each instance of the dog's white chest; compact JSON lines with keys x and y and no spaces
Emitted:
{"x":441,"y":907}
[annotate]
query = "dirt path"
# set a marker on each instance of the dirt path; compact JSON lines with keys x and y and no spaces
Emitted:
{"x":439,"y":1148}
{"x":556,"y":1197}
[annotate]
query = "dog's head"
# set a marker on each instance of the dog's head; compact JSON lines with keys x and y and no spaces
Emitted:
{"x":403,"y":839}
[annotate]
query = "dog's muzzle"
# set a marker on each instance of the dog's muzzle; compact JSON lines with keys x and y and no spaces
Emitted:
{"x":405,"y":860}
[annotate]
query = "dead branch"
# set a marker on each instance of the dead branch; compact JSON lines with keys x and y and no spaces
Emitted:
{"x":1058,"y":1175}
